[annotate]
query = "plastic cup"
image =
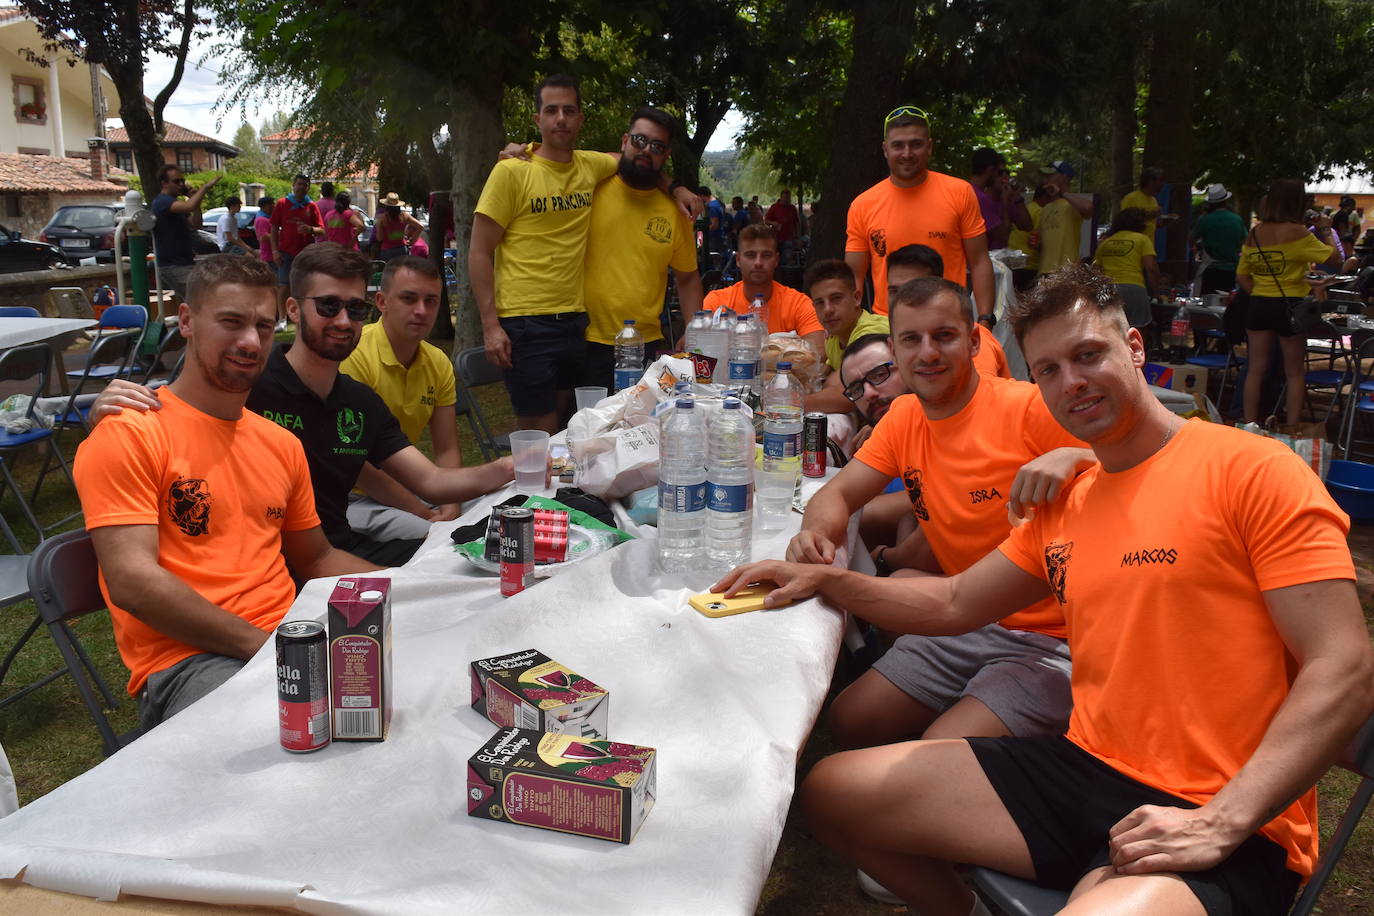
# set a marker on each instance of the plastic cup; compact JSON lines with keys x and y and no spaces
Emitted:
{"x":530,"y":449}
{"x":773,"y":490}
{"x":589,"y":396}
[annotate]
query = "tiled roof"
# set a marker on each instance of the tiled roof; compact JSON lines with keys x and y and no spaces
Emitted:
{"x":294,"y":133}
{"x":174,"y":133}
{"x":49,"y":173}
{"x":12,"y":12}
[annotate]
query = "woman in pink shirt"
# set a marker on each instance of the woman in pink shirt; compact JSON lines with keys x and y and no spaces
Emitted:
{"x":343,"y":223}
{"x":262,"y":228}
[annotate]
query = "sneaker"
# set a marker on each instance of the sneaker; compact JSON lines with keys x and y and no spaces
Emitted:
{"x":877,"y":891}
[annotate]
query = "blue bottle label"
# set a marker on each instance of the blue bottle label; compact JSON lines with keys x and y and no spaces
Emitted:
{"x":627,"y":378}
{"x":740,"y":371}
{"x":682,"y":498}
{"x":722,"y":497}
{"x":781,"y":445}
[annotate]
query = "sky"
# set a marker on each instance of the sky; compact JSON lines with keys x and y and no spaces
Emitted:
{"x":193,"y":103}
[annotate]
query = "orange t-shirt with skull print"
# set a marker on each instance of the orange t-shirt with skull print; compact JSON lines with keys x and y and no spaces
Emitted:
{"x":220,"y":492}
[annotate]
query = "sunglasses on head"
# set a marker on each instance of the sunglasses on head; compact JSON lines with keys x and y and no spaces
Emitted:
{"x":875,"y":377}
{"x":902,"y":111}
{"x":328,"y":306}
{"x":658,"y":147}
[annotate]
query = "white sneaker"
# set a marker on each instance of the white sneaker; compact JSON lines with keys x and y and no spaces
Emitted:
{"x":877,"y":891}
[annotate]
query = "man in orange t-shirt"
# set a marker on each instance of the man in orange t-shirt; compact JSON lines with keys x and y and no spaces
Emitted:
{"x":1221,"y":660}
{"x":785,"y":308}
{"x":197,"y":510}
{"x":911,"y":262}
{"x":914,"y":204}
{"x":964,"y":446}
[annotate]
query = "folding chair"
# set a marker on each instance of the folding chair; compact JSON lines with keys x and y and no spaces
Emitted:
{"x":18,"y":311}
{"x":1358,"y":402}
{"x":1329,"y":346}
{"x":171,"y":341}
{"x":1209,"y":327}
{"x":473,"y":370}
{"x":69,"y":302}
{"x":115,"y":318}
{"x":32,"y":363}
{"x":1022,"y":898}
{"x":63,"y":579}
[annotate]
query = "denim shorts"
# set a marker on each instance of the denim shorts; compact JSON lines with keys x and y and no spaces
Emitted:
{"x":548,"y":354}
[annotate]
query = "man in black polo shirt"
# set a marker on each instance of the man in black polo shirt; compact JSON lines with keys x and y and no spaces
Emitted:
{"x":172,"y":231}
{"x":341,"y":422}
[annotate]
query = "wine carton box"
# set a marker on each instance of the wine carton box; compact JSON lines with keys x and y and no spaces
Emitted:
{"x":530,"y":690}
{"x":360,"y":658}
{"x":601,"y":789}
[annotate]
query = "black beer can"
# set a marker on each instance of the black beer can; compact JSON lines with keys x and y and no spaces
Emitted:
{"x":813,"y":444}
{"x":517,"y":550}
{"x":303,"y":686}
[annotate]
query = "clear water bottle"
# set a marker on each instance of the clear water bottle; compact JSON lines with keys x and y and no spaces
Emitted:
{"x":781,"y":406}
{"x":730,"y":487}
{"x":629,"y":356}
{"x":758,"y":317}
{"x":682,"y":489}
{"x":693,"y":339}
{"x":717,"y":344}
{"x":744,"y":352}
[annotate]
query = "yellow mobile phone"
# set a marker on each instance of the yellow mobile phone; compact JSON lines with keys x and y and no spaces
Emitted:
{"x":715,"y":604}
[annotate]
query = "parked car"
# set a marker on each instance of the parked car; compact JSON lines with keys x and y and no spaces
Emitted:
{"x":83,"y":230}
{"x":209,"y":221}
{"x":18,"y":253}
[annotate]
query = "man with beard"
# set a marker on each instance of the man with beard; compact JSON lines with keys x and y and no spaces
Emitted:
{"x":340,"y":421}
{"x":1221,"y":661}
{"x":196,"y":510}
{"x":637,"y":232}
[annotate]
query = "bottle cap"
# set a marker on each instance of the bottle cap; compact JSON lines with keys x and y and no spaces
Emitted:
{"x":730,"y":404}
{"x":742,"y":318}
{"x":685,"y":403}
{"x":784,"y":367}
{"x":629,"y":322}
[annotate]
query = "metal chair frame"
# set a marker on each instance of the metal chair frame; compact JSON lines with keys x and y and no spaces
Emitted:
{"x":33,"y":361}
{"x":472,"y":369}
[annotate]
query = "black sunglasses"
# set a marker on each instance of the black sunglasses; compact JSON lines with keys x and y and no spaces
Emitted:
{"x":875,"y":377}
{"x":328,"y":306}
{"x":640,"y":142}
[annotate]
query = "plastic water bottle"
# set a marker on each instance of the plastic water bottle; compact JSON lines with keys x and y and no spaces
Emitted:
{"x":730,"y":487}
{"x":682,"y":489}
{"x":781,"y":406}
{"x":758,"y":319}
{"x":693,"y":339}
{"x":759,"y":312}
{"x":744,"y":352}
{"x":629,"y":356}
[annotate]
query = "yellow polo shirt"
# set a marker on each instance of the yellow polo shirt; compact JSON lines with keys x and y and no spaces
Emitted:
{"x":868,"y":323}
{"x":413,"y":393}
{"x":545,"y":208}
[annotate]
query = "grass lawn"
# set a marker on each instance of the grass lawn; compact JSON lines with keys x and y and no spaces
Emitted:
{"x":50,"y":738}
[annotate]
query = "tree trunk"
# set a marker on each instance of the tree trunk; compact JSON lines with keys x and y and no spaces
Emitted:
{"x":391,"y":167}
{"x":1169,"y":123}
{"x":884,"y":31}
{"x":138,"y":122}
{"x":476,"y":134}
{"x":439,"y":215}
{"x":1124,"y":126}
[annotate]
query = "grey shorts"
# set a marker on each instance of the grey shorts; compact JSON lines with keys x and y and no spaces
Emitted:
{"x":384,"y":523}
{"x":1022,"y":677}
{"x":169,"y":691}
{"x":173,"y":277}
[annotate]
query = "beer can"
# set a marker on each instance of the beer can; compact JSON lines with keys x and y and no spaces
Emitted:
{"x":813,"y":445}
{"x":303,"y":686}
{"x":492,"y":547}
{"x":517,"y":550}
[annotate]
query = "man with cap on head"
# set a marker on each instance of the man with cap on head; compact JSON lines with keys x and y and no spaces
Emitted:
{"x":916,"y":205}
{"x":1220,"y":233}
{"x":1145,"y":197}
{"x":1061,"y":219}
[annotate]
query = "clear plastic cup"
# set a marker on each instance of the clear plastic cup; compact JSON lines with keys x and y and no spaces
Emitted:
{"x":589,"y":396}
{"x":530,"y":449}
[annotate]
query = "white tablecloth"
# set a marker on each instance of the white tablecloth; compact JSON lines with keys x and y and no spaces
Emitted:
{"x":209,"y":807}
{"x":15,"y":332}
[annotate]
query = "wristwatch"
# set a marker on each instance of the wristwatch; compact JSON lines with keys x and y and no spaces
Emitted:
{"x":880,"y":561}
{"x":989,"y":320}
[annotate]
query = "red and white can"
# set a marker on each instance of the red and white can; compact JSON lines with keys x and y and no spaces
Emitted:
{"x":814,"y":437}
{"x":303,"y":686}
{"x":517,"y":550}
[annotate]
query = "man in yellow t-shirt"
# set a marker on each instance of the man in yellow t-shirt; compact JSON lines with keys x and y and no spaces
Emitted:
{"x":529,"y":241}
{"x":637,"y":232}
{"x":415,"y":380}
{"x":1144,"y":197}
{"x":1061,"y":220}
{"x":1022,"y":277}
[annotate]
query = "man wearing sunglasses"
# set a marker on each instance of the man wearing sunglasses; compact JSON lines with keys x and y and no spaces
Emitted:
{"x":172,"y":231}
{"x":966,"y":447}
{"x":637,"y":232}
{"x":341,"y":423}
{"x":917,"y":205}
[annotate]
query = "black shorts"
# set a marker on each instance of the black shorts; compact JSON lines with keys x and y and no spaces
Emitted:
{"x":548,"y":354}
{"x":1065,"y":801}
{"x":1269,"y":314}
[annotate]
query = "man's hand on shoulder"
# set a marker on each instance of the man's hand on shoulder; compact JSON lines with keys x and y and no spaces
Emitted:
{"x":687,"y":202}
{"x":1042,"y":479}
{"x":119,"y":394}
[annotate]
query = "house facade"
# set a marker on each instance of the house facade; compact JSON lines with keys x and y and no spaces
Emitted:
{"x":361,"y":184}
{"x":181,"y":146}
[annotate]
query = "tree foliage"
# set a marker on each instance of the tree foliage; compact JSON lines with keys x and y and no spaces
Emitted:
{"x":120,"y":35}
